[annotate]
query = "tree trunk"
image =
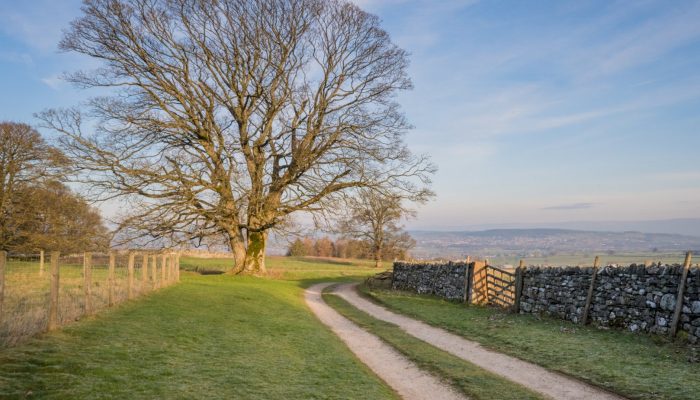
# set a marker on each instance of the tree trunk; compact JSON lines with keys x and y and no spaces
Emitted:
{"x":255,"y":256}
{"x":377,"y":257}
{"x":239,"y":252}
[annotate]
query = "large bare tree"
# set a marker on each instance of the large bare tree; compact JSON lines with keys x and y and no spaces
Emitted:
{"x":25,"y":160}
{"x":227,"y":116}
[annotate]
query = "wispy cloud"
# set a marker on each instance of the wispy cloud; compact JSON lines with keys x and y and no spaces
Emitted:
{"x":54,"y":82}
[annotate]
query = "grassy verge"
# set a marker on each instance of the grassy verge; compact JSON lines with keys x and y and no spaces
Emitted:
{"x":213,"y":337}
{"x":471,"y":380}
{"x":637,"y":366}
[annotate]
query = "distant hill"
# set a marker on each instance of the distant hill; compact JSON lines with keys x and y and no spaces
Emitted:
{"x":455,"y":244}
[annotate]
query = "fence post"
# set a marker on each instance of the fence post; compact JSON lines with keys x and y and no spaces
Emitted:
{"x":162,"y":270}
{"x":519,"y":276}
{"x":144,"y":271}
{"x":41,"y":262}
{"x":53,"y":304}
{"x":3,"y":263}
{"x":130,"y":276}
{"x":589,"y":297}
{"x":87,"y":276}
{"x":177,"y":267}
{"x":154,"y":269}
{"x":679,"y":297}
{"x":172,"y":267}
{"x":110,"y":278}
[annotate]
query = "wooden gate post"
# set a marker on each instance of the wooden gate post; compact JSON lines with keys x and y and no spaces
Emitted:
{"x":41,"y":262}
{"x":3,"y":263}
{"x":467,"y":280}
{"x":130,"y":276}
{"x":87,"y":275}
{"x":591,"y":287}
{"x":53,"y":303}
{"x":110,"y":278}
{"x":519,"y":277}
{"x":679,"y":297}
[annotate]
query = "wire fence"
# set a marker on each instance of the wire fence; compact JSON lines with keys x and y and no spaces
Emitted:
{"x":44,"y":291}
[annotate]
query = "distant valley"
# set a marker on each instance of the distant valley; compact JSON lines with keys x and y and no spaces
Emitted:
{"x":543,"y":241}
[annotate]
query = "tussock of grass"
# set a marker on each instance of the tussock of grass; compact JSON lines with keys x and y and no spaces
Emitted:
{"x":471,"y":380}
{"x":637,"y":366}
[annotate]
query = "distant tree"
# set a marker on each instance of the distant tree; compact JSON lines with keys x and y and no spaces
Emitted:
{"x":49,"y":216}
{"x":375,"y":217}
{"x":26,"y":160}
{"x":296,"y":249}
{"x":324,"y":247}
{"x":231,"y":115}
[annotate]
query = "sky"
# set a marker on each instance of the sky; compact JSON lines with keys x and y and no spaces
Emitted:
{"x":534,"y":111}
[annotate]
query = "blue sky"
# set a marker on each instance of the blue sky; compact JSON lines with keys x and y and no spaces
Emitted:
{"x":534,"y":111}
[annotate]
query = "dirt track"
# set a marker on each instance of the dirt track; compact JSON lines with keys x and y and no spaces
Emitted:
{"x":534,"y":377}
{"x":397,"y":371}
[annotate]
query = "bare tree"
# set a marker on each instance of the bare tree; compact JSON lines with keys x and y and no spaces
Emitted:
{"x":25,"y":159}
{"x":375,"y":217}
{"x":230,"y":115}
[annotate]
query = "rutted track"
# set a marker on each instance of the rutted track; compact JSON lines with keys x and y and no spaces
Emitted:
{"x":409,"y":381}
{"x":532,"y":376}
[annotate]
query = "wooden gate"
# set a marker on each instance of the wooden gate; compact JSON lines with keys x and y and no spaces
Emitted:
{"x":500,"y":286}
{"x":493,"y":286}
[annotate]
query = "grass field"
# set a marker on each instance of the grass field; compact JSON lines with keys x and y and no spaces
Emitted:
{"x":213,"y":337}
{"x":637,"y":366}
{"x":467,"y":378}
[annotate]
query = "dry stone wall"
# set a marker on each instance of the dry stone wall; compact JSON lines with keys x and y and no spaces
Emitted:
{"x":442,"y":280}
{"x":636,"y":297}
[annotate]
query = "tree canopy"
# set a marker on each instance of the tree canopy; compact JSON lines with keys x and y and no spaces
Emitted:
{"x":225,"y":117}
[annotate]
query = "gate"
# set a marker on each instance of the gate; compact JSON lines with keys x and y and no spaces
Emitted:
{"x":493,"y":286}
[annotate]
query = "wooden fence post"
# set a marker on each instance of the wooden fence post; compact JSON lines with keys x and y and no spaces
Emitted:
{"x":679,"y":297}
{"x":467,"y":280}
{"x":53,"y":304}
{"x":144,"y":271}
{"x":162,"y":270}
{"x":3,"y":263}
{"x":589,"y":297}
{"x":154,"y":270}
{"x":172,"y":267}
{"x":110,"y":278}
{"x":41,"y":262}
{"x":177,"y":267}
{"x":130,"y":276}
{"x":87,"y":286}
{"x":519,"y":277}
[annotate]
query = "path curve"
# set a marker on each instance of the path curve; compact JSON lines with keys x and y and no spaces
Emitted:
{"x":397,"y":371}
{"x":532,"y":376}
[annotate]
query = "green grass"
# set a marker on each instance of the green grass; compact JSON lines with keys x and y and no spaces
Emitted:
{"x":637,"y":366}
{"x":213,"y":337}
{"x":471,"y":380}
{"x":294,"y":268}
